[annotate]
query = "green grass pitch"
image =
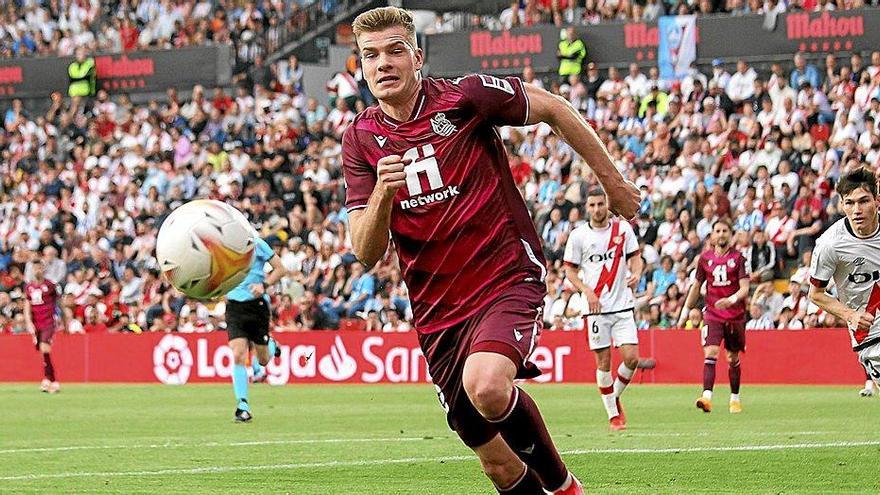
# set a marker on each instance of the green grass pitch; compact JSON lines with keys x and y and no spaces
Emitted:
{"x":394,"y":440}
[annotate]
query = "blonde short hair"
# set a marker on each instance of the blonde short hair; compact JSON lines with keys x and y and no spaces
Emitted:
{"x":382,"y":18}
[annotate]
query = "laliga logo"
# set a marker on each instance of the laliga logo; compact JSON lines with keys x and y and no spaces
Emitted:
{"x":338,"y":365}
{"x":172,"y":360}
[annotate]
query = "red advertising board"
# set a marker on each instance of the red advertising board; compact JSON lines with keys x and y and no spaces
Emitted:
{"x":792,"y":357}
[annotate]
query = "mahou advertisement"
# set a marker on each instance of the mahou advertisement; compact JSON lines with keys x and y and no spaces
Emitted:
{"x":148,"y":71}
{"x":352,"y":357}
{"x":506,"y":52}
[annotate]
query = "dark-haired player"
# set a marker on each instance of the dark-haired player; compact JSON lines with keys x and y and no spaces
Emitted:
{"x":723,"y":270}
{"x":603,"y":261}
{"x":849,"y":253}
{"x":427,"y":169}
{"x":40,"y":311}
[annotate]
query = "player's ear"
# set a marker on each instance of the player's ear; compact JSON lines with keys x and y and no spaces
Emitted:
{"x":419,"y":56}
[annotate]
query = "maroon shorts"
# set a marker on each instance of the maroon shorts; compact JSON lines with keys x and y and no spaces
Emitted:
{"x":732,"y":332}
{"x":510,"y":325}
{"x":44,"y":335}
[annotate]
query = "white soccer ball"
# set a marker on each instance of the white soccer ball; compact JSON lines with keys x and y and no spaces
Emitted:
{"x":205,"y":248}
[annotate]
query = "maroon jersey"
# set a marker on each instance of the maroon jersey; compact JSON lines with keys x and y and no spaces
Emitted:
{"x":460,"y":226}
{"x":43,"y":297}
{"x":722,"y":275}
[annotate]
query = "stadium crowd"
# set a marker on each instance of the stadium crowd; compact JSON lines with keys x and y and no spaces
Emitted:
{"x":57,"y":27}
{"x":86,"y":185}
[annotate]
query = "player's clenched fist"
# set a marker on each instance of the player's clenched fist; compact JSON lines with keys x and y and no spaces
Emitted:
{"x":623,"y":199}
{"x":860,"y":320}
{"x":391,"y":176}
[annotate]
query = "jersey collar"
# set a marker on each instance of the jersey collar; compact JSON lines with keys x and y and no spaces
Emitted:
{"x":853,"y":233}
{"x":417,"y":110}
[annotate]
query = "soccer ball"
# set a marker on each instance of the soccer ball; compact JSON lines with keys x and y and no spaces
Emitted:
{"x":205,"y":248}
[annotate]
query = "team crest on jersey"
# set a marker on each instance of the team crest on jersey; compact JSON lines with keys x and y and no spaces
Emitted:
{"x":709,"y":262}
{"x":442,"y":125}
{"x":731,"y":263}
{"x":618,"y":240}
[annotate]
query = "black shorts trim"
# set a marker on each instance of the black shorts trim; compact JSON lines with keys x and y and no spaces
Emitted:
{"x":866,"y":344}
{"x":249,"y":320}
{"x":611,"y":312}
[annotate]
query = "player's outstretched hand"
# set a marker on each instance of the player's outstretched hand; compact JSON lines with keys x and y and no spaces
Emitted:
{"x":623,"y":199}
{"x":593,"y":302}
{"x":391,"y":176}
{"x":860,"y":320}
{"x":632,"y":281}
{"x":682,"y":318}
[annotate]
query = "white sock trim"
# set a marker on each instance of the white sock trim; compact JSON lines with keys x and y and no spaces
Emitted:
{"x":625,"y":371}
{"x":604,"y":378}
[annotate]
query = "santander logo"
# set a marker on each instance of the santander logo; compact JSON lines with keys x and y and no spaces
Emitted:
{"x":337,"y":365}
{"x":172,"y":360}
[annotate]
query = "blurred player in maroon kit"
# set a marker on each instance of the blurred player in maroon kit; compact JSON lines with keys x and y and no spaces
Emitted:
{"x":727,"y":287}
{"x":40,"y":308}
{"x":427,"y":169}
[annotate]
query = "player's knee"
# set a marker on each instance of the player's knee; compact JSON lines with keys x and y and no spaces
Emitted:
{"x":503,"y":472}
{"x":631,"y":362}
{"x":240,"y":356}
{"x":489,"y":395}
{"x":733,"y":358}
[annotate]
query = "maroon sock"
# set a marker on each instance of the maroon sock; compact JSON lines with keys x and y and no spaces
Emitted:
{"x":734,"y":371}
{"x":709,"y":374}
{"x":523,"y":428}
{"x":48,"y":369}
{"x":528,"y":484}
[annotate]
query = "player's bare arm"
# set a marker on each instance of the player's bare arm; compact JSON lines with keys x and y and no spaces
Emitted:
{"x":571,"y":273}
{"x":623,"y":196}
{"x":278,"y":272}
{"x":369,"y":226}
{"x":740,"y":295}
{"x":856,"y":319}
{"x":28,"y":319}
{"x":692,"y":296}
{"x":636,"y":265}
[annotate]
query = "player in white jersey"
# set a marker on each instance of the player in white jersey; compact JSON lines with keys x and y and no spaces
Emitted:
{"x":603,"y":261}
{"x":849,"y":253}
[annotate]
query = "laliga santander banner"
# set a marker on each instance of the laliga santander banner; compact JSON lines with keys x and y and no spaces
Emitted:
{"x":781,"y":356}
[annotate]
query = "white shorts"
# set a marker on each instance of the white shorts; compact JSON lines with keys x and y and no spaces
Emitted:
{"x":602,"y":330}
{"x":870,"y":359}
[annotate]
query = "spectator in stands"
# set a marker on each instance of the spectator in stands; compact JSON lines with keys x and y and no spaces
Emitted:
{"x":758,"y":318}
{"x":803,"y":72}
{"x":571,"y":53}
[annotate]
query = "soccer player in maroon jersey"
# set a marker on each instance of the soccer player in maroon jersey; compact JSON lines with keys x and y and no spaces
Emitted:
{"x":428,"y":170}
{"x":723,"y":269}
{"x":40,"y":308}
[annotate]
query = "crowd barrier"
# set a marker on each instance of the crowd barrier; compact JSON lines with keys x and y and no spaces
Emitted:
{"x":772,"y":357}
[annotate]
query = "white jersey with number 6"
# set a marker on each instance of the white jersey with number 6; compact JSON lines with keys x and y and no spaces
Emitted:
{"x":601,"y":255}
{"x":854,"y":264}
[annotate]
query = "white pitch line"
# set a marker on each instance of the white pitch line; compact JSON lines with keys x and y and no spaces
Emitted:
{"x":414,"y":460}
{"x":706,"y":434}
{"x":170,"y":445}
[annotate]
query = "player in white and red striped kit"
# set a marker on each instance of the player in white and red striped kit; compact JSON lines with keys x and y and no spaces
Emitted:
{"x":603,"y":261}
{"x":849,"y":253}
